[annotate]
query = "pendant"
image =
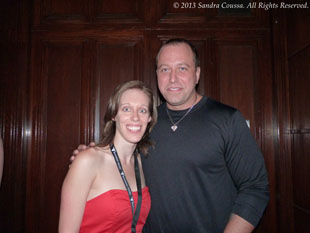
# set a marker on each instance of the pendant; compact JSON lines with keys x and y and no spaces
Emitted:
{"x":174,"y":128}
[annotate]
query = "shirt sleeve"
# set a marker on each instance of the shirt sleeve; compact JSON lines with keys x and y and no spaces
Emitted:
{"x":246,"y":165}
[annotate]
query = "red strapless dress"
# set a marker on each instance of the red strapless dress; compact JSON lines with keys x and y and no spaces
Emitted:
{"x":110,"y":212}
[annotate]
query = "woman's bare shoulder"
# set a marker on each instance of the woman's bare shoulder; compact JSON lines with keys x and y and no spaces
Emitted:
{"x":92,"y":155}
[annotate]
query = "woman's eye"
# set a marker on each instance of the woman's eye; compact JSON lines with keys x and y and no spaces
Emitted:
{"x":126,"y":109}
{"x":143,"y":110}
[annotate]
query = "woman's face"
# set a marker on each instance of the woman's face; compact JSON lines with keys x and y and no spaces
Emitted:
{"x":133,"y":116}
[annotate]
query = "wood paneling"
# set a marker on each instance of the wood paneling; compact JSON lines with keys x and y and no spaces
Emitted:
{"x":129,"y":11}
{"x":117,"y":62}
{"x":14,"y":31}
{"x":57,"y":10}
{"x":299,"y":78}
{"x":56,"y":115}
{"x":299,"y":81}
{"x":300,"y":164}
{"x":209,"y":14}
{"x":237,"y":74}
{"x":301,"y":172}
{"x":298,"y":24}
{"x":181,"y":14}
{"x":80,"y":50}
{"x":291,"y":29}
{"x":285,"y":214}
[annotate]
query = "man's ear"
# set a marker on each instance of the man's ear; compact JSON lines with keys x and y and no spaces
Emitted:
{"x":197,"y":74}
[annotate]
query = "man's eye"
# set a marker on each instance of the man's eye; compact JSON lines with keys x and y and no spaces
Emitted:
{"x":182,"y":68}
{"x":164,"y":70}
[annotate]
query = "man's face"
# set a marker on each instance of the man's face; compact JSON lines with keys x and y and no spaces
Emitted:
{"x":177,"y":76}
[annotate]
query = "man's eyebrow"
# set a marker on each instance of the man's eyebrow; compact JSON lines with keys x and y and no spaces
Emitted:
{"x":183,"y":63}
{"x":161,"y":65}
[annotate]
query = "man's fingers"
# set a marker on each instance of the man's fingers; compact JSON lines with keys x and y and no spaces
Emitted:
{"x":82,"y":147}
{"x":92,"y":144}
{"x":75,"y":152}
{"x":72,"y":158}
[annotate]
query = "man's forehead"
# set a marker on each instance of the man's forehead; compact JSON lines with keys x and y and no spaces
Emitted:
{"x":176,"y":46}
{"x":180,"y":52}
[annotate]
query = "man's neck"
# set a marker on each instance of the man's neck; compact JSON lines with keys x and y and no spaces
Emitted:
{"x":185,"y":106}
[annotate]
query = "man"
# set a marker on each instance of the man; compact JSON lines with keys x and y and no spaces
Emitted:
{"x":205,"y":172}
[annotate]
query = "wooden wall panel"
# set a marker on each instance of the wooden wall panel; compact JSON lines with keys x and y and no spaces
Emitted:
{"x":298,"y":24}
{"x":79,"y":12}
{"x":128,"y":11}
{"x":237,"y":74}
{"x":61,"y":11}
{"x":209,"y":13}
{"x":291,"y":53}
{"x":63,"y":103}
{"x":14,"y":31}
{"x":301,"y":172}
{"x":117,"y":62}
{"x":56,"y":113}
{"x":299,"y":81}
{"x":282,"y":138}
{"x":145,"y":13}
{"x":299,"y":78}
{"x":13,"y":103}
{"x":300,"y":164}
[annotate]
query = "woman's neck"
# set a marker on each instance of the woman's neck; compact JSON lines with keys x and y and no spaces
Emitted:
{"x":125,"y":151}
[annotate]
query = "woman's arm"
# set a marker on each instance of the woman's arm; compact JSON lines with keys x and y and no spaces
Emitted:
{"x":75,"y":190}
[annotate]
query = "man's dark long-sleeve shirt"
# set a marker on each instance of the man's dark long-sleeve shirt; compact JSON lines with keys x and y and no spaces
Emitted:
{"x":209,"y":168}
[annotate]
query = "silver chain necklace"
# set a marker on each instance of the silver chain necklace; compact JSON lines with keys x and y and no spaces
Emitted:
{"x":174,"y":126}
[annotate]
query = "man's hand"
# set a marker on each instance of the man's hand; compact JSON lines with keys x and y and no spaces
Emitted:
{"x":81,"y":147}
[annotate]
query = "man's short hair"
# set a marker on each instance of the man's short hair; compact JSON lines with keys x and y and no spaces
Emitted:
{"x":175,"y":41}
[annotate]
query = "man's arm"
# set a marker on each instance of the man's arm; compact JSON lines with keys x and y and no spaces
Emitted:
{"x":247,"y":168}
{"x":236,"y":224}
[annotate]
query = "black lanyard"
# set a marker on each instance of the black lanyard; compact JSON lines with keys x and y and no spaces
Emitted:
{"x":138,"y":181}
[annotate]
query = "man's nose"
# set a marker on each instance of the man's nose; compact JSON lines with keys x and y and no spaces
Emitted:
{"x":172,"y":77}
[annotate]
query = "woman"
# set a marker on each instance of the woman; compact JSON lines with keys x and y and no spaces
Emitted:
{"x":97,"y":190}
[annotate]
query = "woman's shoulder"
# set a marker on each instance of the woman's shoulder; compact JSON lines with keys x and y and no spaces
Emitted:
{"x":91,"y":156}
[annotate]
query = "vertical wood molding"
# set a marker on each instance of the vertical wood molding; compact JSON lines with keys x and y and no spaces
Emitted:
{"x":13,"y":111}
{"x":282,"y":124}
